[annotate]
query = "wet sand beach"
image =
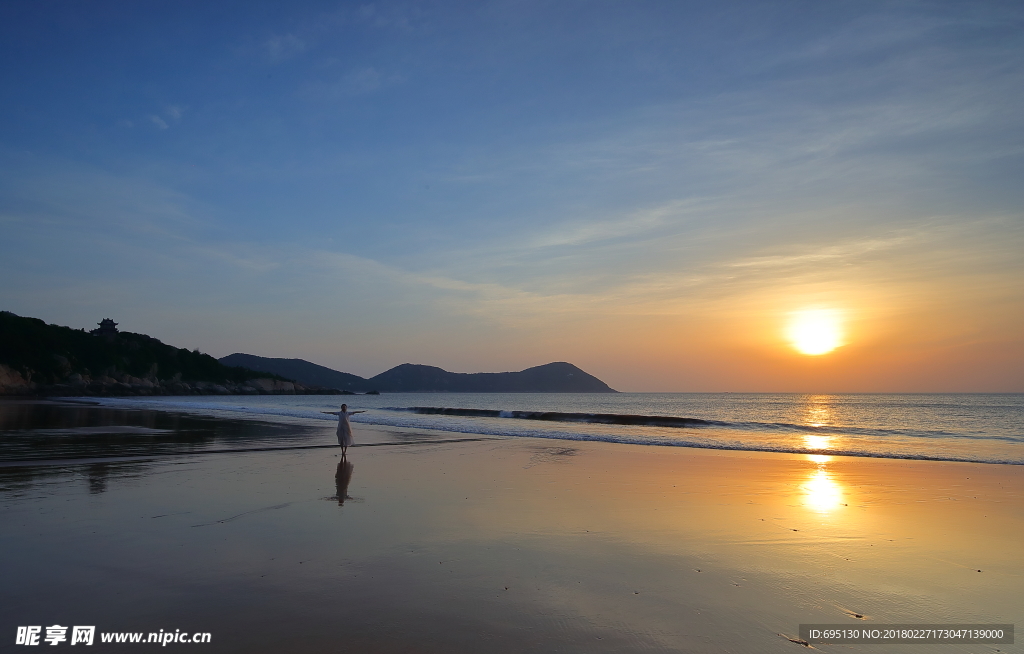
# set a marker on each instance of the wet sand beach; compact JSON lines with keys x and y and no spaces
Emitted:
{"x":424,"y":543}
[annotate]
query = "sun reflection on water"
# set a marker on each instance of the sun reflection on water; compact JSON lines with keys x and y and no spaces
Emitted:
{"x":815,"y":442}
{"x":818,"y":410}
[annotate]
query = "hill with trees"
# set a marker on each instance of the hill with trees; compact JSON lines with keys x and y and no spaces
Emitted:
{"x":39,"y":358}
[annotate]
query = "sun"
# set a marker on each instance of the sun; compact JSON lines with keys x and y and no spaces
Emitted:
{"x":815,"y":331}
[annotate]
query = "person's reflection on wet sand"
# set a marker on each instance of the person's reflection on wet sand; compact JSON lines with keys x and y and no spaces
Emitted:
{"x":342,"y":478}
{"x":97,"y":473}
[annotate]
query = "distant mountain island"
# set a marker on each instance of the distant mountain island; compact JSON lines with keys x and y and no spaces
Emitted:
{"x":559,"y":377}
{"x":41,"y":359}
{"x":300,"y":370}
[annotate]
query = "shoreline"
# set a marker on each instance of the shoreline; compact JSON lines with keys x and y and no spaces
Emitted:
{"x":189,"y":389}
{"x":244,"y":413}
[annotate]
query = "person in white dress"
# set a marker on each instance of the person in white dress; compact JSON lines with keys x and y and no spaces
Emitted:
{"x":345,"y":429}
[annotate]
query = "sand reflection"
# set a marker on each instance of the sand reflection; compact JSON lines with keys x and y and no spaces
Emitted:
{"x":342,"y":478}
{"x":822,"y":493}
{"x":98,"y":473}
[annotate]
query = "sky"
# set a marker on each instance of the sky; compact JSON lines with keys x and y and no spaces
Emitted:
{"x":649,"y":190}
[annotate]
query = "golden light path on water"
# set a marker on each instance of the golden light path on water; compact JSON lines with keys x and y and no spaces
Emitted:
{"x":821,"y":492}
{"x":818,"y":412}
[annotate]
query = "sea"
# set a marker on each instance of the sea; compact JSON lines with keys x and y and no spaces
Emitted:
{"x":983,"y":428}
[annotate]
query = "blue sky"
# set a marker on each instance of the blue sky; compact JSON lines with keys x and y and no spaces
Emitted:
{"x":645,"y":189}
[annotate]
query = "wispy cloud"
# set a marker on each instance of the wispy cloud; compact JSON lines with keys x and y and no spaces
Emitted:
{"x":367,"y":80}
{"x":400,"y":16}
{"x":77,"y":196}
{"x":636,"y":224}
{"x":170,"y":115}
{"x":356,"y":82}
{"x":818,"y":254}
{"x":281,"y":47}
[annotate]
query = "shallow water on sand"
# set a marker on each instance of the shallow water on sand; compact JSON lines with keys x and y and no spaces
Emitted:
{"x":952,"y":427}
{"x":509,"y":545}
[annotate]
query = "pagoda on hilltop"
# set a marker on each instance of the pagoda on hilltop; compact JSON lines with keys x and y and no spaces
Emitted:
{"x":107,"y":327}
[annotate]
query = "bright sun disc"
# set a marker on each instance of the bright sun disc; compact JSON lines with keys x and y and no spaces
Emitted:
{"x":815,"y":331}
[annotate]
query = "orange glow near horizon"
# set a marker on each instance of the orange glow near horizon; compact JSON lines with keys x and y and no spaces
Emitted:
{"x":815,"y":331}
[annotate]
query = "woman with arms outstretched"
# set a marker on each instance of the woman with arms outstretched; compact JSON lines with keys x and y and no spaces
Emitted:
{"x":345,"y":429}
